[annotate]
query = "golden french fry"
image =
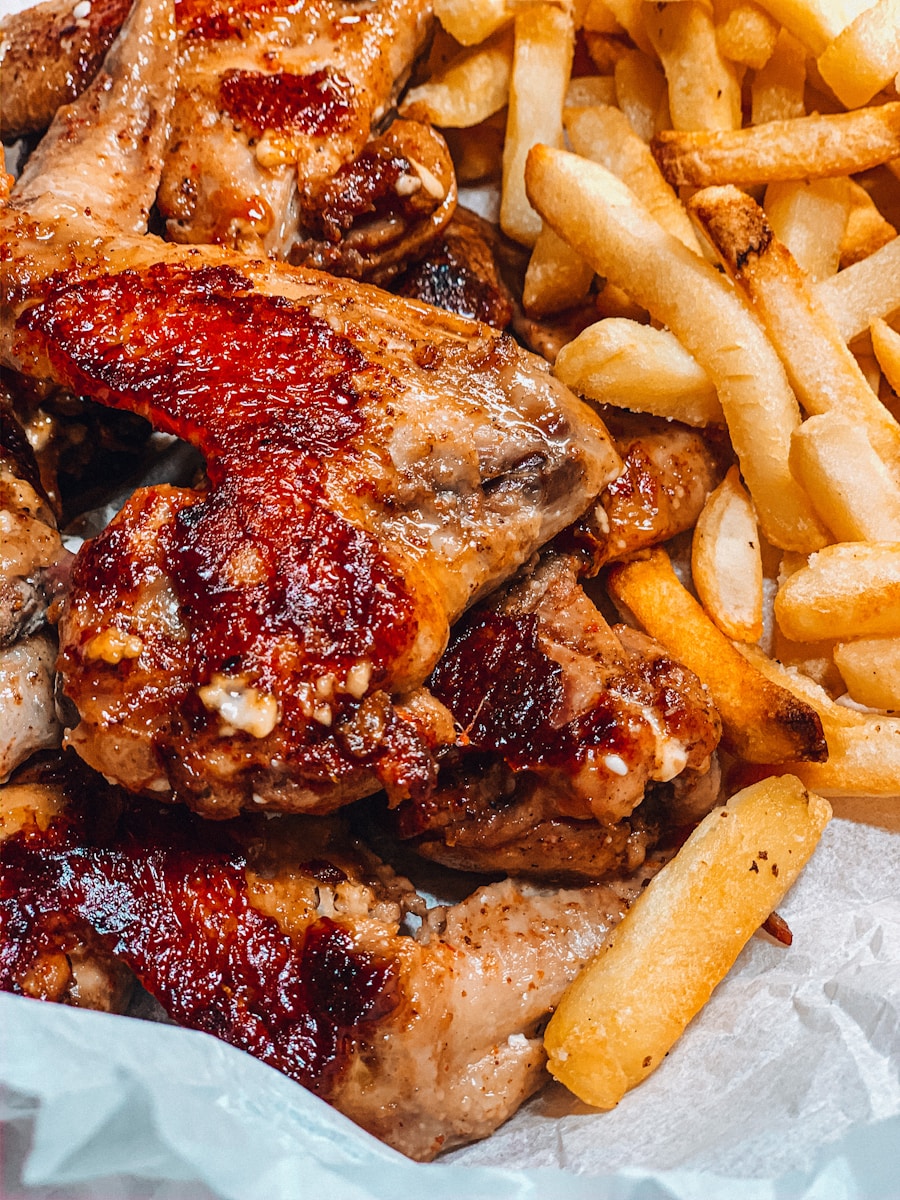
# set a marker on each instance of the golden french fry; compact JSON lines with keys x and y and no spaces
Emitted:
{"x":641,"y":93}
{"x":629,"y":365}
{"x":863,"y":748}
{"x":471,"y":21}
{"x":603,"y":221}
{"x":864,"y":56}
{"x":557,"y":278}
{"x":620,"y":1017}
{"x":810,"y":217}
{"x":586,"y":90}
{"x":604,"y":135}
{"x":630,"y":15}
{"x":849,"y":485}
{"x":808,"y":147}
{"x":777,"y":89}
{"x":824,"y":374}
{"x":761,"y":723}
{"x":704,"y":89}
{"x":850,"y":589}
{"x":545,"y":40}
{"x":867,"y":230}
{"x":746,"y":33}
{"x":815,"y":22}
{"x":857,"y":295}
{"x":886,"y":344}
{"x":726,"y":564}
{"x":472,"y":87}
{"x":870,"y":667}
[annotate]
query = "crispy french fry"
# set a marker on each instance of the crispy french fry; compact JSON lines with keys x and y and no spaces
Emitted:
{"x":630,"y":15}
{"x":864,"y":56}
{"x":761,"y":723}
{"x":557,"y":278}
{"x":870,"y":288}
{"x":849,"y":485}
{"x":471,"y":21}
{"x":704,"y":89}
{"x":863,"y":748}
{"x":866,"y":230}
{"x":641,"y":93}
{"x":634,"y":366}
{"x":472,"y":87}
{"x":777,"y":89}
{"x":594,"y":211}
{"x":625,"y":1011}
{"x":745,"y":32}
{"x":825,"y":375}
{"x":886,"y":344}
{"x":726,"y":564}
{"x":810,"y":217}
{"x":545,"y":39}
{"x":815,"y":22}
{"x":810,"y":147}
{"x":604,"y":135}
{"x":850,"y":589}
{"x":870,"y":668}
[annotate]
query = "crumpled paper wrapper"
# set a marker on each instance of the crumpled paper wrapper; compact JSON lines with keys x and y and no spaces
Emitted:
{"x":786,"y":1085}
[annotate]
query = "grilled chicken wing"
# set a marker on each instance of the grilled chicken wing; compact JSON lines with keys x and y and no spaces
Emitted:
{"x":374,"y":467}
{"x":285,"y":938}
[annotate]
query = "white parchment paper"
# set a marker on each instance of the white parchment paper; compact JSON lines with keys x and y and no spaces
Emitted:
{"x":786,"y":1086}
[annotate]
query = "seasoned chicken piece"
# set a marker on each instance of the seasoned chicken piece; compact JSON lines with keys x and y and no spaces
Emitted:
{"x":50,"y":53}
{"x":583,"y":743}
{"x":286,"y":938}
{"x":374,"y":467}
{"x":34,"y":568}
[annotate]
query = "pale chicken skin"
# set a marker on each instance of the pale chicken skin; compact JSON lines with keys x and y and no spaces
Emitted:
{"x":374,"y":466}
{"x":285,"y":938}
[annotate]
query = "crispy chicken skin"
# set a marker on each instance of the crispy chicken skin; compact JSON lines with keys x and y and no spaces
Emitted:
{"x":285,"y":938}
{"x":374,"y":467}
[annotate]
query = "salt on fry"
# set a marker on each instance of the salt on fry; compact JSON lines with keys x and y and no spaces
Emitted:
{"x":809,"y":147}
{"x":865,"y":55}
{"x":825,"y":375}
{"x":850,"y":589}
{"x":603,"y":221}
{"x":870,"y":667}
{"x":850,"y":487}
{"x":544,"y":45}
{"x":620,"y":1017}
{"x":638,"y":367}
{"x":704,"y":89}
{"x":761,"y":723}
{"x":726,"y":563}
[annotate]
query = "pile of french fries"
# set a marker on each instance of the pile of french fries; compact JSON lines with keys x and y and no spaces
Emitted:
{"x":721,"y":180}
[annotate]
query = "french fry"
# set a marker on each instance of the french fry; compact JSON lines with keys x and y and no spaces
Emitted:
{"x":726,"y":564}
{"x":544,"y":45}
{"x":586,"y":90}
{"x":603,"y":221}
{"x":634,"y":366}
{"x":864,"y":56}
{"x":810,"y":147}
{"x":870,"y":668}
{"x":641,"y":93}
{"x":472,"y":87}
{"x":777,"y":89}
{"x":824,"y":374}
{"x":886,"y":344}
{"x":704,"y":89}
{"x":815,"y":22}
{"x":848,"y":483}
{"x":850,"y":589}
{"x":630,"y":15}
{"x":863,"y":748}
{"x":870,"y":288}
{"x":604,"y":135}
{"x":866,"y":230}
{"x":557,"y":278}
{"x":620,"y":1017}
{"x":810,"y":217}
{"x":471,"y":21}
{"x":761,"y":723}
{"x":746,"y":34}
